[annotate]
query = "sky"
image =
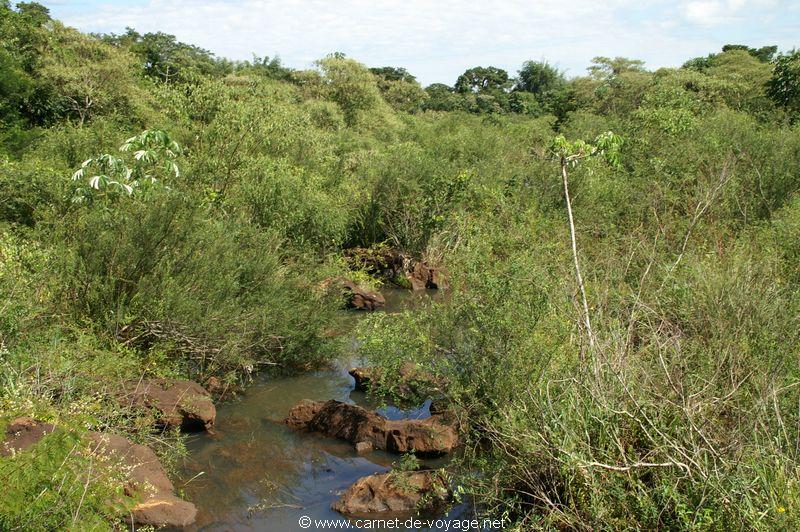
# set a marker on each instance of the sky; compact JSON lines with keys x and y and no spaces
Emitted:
{"x":436,"y":40}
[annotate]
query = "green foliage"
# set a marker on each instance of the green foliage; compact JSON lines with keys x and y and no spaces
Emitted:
{"x":606,"y":144}
{"x":605,"y":67}
{"x":539,"y":78}
{"x":166,"y":59}
{"x":784,"y":85}
{"x":407,"y":462}
{"x":26,"y":188}
{"x":393,"y":74}
{"x":271,"y":68}
{"x":296,"y":203}
{"x":401,"y":95}
{"x":689,"y":241}
{"x":87,"y":76}
{"x":55,"y":486}
{"x":411,"y":199}
{"x":765,"y":54}
{"x":482,"y":79}
{"x":351,"y":85}
{"x":154,"y":154}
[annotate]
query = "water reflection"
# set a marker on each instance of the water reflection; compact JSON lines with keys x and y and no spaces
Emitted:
{"x":255,"y":473}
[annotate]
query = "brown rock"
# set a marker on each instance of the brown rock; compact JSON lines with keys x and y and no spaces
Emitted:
{"x":394,"y":492}
{"x":361,"y":299}
{"x":427,"y":437}
{"x":363,"y":377}
{"x":352,"y":423}
{"x":23,"y":432}
{"x":348,"y":422}
{"x":419,"y":276}
{"x":178,"y":403}
{"x":363,"y":447}
{"x":302,"y":413}
{"x":147,"y":481}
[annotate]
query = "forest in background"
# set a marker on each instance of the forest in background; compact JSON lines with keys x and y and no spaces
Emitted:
{"x":167,"y":213}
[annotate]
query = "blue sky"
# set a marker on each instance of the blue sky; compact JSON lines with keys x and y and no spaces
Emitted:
{"x":438,"y":39}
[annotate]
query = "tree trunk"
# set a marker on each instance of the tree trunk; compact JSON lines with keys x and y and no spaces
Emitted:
{"x":586,"y":319}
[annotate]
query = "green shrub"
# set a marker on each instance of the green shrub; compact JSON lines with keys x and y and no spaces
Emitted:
{"x":55,"y":486}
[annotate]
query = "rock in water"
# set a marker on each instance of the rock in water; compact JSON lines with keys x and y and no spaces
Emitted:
{"x":363,"y":377}
{"x":397,"y":491}
{"x":427,"y":437}
{"x":422,"y":276}
{"x":361,"y":299}
{"x":363,"y":447}
{"x":178,"y":403}
{"x":302,"y":413}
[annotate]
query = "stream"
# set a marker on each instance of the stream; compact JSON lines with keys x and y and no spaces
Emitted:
{"x":255,"y":473}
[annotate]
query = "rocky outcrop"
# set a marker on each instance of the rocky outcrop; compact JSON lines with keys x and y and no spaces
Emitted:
{"x":397,"y":491}
{"x":147,"y":482}
{"x":397,"y":267}
{"x":377,"y":261}
{"x":421,"y":276}
{"x":361,"y":299}
{"x":176,"y":403}
{"x":355,"y":424}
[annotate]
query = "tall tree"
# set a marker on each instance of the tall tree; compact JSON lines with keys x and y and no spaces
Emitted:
{"x":539,"y":78}
{"x":605,"y":67}
{"x":784,"y":86}
{"x":165,"y":58}
{"x":88,"y":76}
{"x":569,"y":154}
{"x":393,"y":74}
{"x":350,"y":84}
{"x":482,"y":79}
{"x":765,"y":54}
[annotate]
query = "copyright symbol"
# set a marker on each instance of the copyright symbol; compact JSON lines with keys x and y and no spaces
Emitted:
{"x":304,"y":521}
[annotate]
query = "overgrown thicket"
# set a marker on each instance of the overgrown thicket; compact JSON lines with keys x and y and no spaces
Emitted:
{"x":167,"y":213}
{"x":684,"y":413}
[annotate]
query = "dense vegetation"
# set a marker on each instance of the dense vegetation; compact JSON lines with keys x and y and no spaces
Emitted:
{"x":165,"y":212}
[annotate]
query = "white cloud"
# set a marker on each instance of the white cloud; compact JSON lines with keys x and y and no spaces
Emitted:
{"x":436,"y":40}
{"x":719,"y":12}
{"x":704,"y":13}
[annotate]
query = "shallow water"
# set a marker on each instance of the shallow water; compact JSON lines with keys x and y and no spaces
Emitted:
{"x":255,"y":473}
